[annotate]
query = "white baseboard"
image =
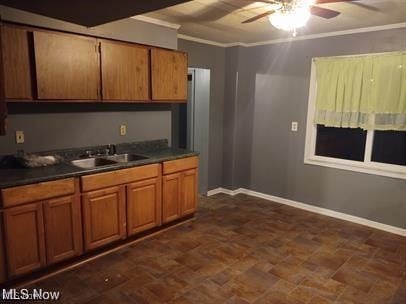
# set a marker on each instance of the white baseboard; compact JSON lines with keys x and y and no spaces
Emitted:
{"x":221,"y":190}
{"x":307,"y":207}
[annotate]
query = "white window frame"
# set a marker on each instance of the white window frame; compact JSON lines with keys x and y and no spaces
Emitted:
{"x":366,"y":166}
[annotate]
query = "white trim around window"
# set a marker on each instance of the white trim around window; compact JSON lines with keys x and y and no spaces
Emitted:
{"x":367,"y":166}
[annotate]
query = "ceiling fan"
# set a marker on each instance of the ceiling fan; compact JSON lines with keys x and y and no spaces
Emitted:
{"x":292,"y":14}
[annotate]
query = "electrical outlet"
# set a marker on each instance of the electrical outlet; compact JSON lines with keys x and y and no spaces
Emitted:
{"x":294,"y":126}
{"x":19,"y":137}
{"x":123,"y":130}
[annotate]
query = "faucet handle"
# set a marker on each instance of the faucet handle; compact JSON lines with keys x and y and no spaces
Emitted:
{"x":87,"y":154}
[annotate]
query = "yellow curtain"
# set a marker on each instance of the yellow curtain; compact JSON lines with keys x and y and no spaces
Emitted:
{"x":367,"y":92}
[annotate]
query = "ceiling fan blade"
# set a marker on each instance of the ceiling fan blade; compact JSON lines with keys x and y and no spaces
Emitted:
{"x":258,"y":16}
{"x":366,"y":6}
{"x":264,"y":1}
{"x":323,"y":12}
{"x":353,"y":2}
{"x":332,"y":1}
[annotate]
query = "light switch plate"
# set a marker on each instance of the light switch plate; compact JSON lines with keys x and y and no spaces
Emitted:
{"x":123,"y":130}
{"x":294,"y":126}
{"x":19,"y":137}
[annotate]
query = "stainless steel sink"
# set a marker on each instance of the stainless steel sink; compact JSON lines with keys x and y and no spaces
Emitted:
{"x":89,"y":163}
{"x":125,"y":158}
{"x":93,"y":162}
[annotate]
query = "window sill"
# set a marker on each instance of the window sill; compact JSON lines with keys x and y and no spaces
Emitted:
{"x":374,"y":168}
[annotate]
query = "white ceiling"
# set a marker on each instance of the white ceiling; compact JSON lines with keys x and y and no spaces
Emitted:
{"x":220,"y":20}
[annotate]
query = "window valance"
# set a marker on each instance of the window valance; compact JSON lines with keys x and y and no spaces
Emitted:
{"x":367,"y":92}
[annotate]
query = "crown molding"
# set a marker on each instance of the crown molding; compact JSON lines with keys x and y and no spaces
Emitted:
{"x":205,"y":41}
{"x":298,"y":38}
{"x":156,"y":21}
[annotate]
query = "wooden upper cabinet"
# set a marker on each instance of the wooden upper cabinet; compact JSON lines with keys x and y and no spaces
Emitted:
{"x":24,"y":238}
{"x":3,"y":116}
{"x":169,"y":75}
{"x":125,"y":71}
{"x":67,"y":66}
{"x":16,"y":65}
{"x":103,"y":216}
{"x":46,"y":65}
{"x":143,"y":205}
{"x":63,"y":228}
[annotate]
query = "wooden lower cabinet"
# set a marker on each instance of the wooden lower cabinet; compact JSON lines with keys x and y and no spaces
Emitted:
{"x":103,"y":216}
{"x":3,"y":273}
{"x":171,"y":197}
{"x":24,"y":239}
{"x":63,"y":228}
{"x":179,"y":195}
{"x":61,"y":223}
{"x":189,"y":191}
{"x":143,"y":205}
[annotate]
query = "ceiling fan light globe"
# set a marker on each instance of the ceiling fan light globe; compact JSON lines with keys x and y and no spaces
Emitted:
{"x":289,"y":20}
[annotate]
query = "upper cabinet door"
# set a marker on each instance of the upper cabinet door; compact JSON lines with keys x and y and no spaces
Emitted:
{"x":16,"y":63}
{"x":67,"y":66}
{"x":169,"y":75}
{"x":125,"y":71}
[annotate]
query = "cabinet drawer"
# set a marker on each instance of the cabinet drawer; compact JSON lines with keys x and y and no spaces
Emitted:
{"x":180,"y":165}
{"x":119,"y":177}
{"x":37,"y":192}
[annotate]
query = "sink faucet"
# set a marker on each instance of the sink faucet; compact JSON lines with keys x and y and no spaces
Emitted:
{"x":111,"y":149}
{"x":108,"y":150}
{"x":87,"y":154}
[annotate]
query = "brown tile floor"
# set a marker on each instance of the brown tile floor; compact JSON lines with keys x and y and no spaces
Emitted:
{"x":247,"y":250}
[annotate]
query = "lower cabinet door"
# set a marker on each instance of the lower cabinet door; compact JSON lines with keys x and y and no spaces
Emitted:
{"x":63,"y":228}
{"x":2,"y":258}
{"x":143,"y":205}
{"x":189,"y":191}
{"x":171,"y":197}
{"x":103,"y":216}
{"x":24,"y":238}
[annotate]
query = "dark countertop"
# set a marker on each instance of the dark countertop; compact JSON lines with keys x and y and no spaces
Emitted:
{"x":11,"y":177}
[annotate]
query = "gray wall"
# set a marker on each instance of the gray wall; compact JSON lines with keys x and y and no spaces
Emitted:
{"x":213,"y":58}
{"x":271,"y":92}
{"x":54,"y":126}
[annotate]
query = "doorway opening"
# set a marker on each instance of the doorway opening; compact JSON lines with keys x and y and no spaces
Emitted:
{"x":190,"y":122}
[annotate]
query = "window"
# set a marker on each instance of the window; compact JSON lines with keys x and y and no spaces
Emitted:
{"x":344,"y":143}
{"x":368,"y":150}
{"x":389,"y":147}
